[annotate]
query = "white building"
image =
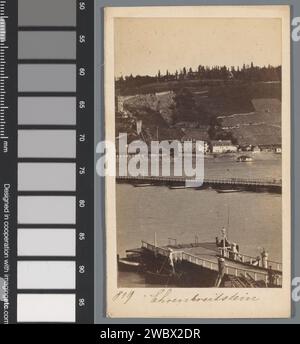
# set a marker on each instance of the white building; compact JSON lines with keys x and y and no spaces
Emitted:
{"x":223,"y":146}
{"x":256,"y":149}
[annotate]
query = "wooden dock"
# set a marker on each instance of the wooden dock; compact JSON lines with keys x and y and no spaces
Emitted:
{"x":240,"y":272}
{"x":243,"y":183}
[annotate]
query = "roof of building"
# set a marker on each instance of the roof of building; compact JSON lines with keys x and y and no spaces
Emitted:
{"x":221,"y":143}
{"x":195,"y":134}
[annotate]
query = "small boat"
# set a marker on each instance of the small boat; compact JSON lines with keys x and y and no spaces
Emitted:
{"x":129,"y":265}
{"x":175,"y":187}
{"x":228,"y":190}
{"x":244,"y":158}
{"x":133,"y":254}
{"x":141,"y":185}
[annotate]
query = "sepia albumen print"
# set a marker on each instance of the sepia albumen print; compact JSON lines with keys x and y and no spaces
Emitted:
{"x":200,"y":89}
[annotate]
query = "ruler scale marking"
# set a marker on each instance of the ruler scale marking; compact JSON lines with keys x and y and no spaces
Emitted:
{"x":51,"y":205}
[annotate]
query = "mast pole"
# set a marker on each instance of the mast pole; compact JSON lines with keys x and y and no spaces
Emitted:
{"x":228,"y":215}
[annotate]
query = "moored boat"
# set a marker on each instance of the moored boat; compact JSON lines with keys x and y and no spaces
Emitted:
{"x":141,"y":185}
{"x":125,"y":264}
{"x":228,"y":190}
{"x":210,"y":264}
{"x":176,"y":187}
{"x":244,"y":158}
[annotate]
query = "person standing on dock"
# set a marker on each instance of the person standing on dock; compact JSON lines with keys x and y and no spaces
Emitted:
{"x":234,"y":251}
{"x":171,"y":260}
{"x":224,"y":241}
{"x":223,"y":244}
{"x":221,"y":267}
{"x":264,"y":257}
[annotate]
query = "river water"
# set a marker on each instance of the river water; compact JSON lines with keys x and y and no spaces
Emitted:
{"x":253,"y":220}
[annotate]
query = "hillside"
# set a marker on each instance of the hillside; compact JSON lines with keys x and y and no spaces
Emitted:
{"x":161,"y":103}
{"x":247,"y":111}
{"x":261,"y":127}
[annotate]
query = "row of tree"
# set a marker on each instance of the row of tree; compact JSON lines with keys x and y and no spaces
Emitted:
{"x":245,"y":73}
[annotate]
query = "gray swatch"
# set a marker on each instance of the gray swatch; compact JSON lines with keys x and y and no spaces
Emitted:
{"x":47,"y":13}
{"x":46,"y":308}
{"x":46,"y":176}
{"x":49,"y":242}
{"x":47,"y":210}
{"x":46,"y":78}
{"x":46,"y":275}
{"x":46,"y":143}
{"x":47,"y":45}
{"x":46,"y":110}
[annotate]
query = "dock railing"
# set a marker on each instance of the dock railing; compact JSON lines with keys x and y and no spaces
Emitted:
{"x":212,"y":265}
{"x":229,"y":269}
{"x":206,"y":263}
{"x":181,"y":255}
{"x":243,"y":258}
{"x":156,"y":249}
{"x":243,"y":181}
{"x":212,"y":180}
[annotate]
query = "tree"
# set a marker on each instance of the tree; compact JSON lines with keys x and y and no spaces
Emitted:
{"x":167,"y":75}
{"x":176,"y":75}
{"x":185,"y":104}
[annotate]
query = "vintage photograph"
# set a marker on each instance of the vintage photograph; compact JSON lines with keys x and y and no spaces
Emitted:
{"x":201,"y":97}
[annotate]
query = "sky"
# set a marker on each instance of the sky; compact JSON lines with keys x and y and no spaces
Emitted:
{"x":145,"y":45}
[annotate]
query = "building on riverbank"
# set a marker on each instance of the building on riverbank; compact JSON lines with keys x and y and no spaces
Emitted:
{"x":222,"y":146}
